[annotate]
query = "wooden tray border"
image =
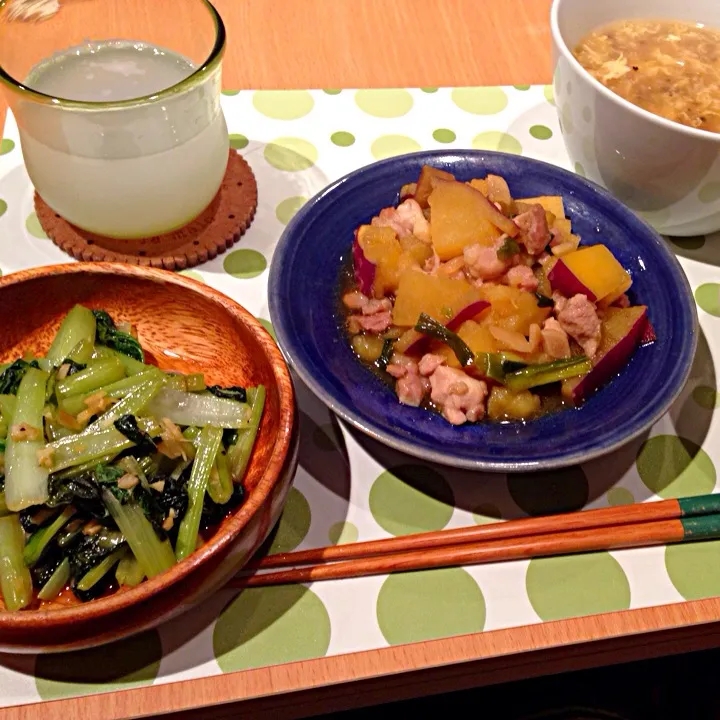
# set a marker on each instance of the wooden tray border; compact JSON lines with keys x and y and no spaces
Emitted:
{"x":364,"y":678}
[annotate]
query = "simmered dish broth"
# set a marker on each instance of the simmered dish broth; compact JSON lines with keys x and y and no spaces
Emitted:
{"x":669,"y":68}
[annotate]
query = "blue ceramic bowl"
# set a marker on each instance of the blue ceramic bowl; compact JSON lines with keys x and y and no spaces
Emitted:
{"x":305,"y":310}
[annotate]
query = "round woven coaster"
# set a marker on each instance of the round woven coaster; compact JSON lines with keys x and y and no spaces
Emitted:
{"x":215,"y":230}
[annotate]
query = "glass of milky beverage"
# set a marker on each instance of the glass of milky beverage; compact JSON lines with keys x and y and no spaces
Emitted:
{"x":118,"y":108}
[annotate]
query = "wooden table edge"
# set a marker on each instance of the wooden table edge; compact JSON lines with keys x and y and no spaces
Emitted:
{"x":628,"y":635}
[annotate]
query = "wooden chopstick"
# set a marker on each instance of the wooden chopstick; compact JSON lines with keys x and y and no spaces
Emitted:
{"x":585,"y":519}
{"x":664,"y":522}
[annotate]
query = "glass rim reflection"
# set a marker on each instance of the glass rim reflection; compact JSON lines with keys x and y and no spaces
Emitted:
{"x":198,"y":77}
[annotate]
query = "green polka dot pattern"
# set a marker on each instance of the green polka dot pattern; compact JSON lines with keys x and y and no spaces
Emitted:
{"x":707,"y":297}
{"x":411,"y":498}
{"x":391,"y":145}
{"x":294,"y":523}
{"x":244,"y":264}
{"x":283,"y":104}
{"x":192,"y":274}
{"x":430,"y":604}
{"x":238,"y":142}
{"x":271,"y":626}
{"x":495,"y":140}
{"x":286,"y":210}
{"x":694,"y":569}
{"x":135,"y":662}
{"x":291,"y":154}
{"x":32,"y":225}
{"x":3,"y":207}
{"x":541,"y":132}
{"x":620,"y":496}
{"x":342,"y":138}
{"x":480,"y":101}
{"x":674,"y":467}
{"x":6,"y":145}
{"x":444,"y":136}
{"x":384,"y":103}
{"x":341,"y":533}
{"x":562,"y":587}
{"x":706,"y":397}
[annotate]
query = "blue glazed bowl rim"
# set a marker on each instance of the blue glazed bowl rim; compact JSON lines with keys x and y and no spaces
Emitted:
{"x":287,"y":342}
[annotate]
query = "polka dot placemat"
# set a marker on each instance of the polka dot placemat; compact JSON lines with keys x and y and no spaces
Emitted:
{"x":347,"y":487}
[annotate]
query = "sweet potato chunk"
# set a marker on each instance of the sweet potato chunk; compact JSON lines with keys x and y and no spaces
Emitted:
{"x":592,"y":271}
{"x":551,"y":203}
{"x":381,"y":247}
{"x":622,"y":331}
{"x":429,"y":176}
{"x":439,"y":296}
{"x":460,"y":218}
{"x":512,"y":308}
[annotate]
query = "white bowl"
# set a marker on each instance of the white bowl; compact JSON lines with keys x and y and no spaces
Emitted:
{"x":667,"y":172}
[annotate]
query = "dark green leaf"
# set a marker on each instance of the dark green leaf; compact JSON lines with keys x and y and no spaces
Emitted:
{"x":127,"y":425}
{"x":89,"y":550}
{"x":108,"y":334}
{"x":428,"y":326}
{"x":386,"y":354}
{"x":213,"y":514}
{"x":230,"y":393}
{"x":107,"y":474}
{"x":544,"y":300}
{"x":230,"y":437}
{"x":10,"y":377}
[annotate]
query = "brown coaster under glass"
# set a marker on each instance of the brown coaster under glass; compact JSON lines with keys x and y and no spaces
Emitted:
{"x":216,"y":229}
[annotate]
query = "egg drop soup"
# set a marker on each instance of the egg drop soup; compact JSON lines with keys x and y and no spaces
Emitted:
{"x":669,"y":68}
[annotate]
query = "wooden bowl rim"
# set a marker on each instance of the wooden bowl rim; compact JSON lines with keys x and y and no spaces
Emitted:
{"x":36,"y":619}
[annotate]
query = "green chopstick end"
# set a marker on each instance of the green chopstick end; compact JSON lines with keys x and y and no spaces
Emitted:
{"x":699,"y":505}
{"x":703,"y":527}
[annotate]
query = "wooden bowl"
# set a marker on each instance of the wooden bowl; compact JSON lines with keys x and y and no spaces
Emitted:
{"x":185,"y":326}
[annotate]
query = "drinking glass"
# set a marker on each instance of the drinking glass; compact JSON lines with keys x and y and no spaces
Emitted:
{"x":131,"y":167}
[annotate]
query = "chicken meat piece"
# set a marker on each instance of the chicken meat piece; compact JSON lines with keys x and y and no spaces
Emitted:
{"x":406,"y":219}
{"x":410,"y":387}
{"x":534,"y":231}
{"x":429,"y":363}
{"x":483,"y":262}
{"x":460,"y":397}
{"x":375,"y":315}
{"x":578,"y":318}
{"x":521,"y":276}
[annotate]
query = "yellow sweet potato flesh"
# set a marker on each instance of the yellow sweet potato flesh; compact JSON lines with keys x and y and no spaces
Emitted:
{"x":551,"y":203}
{"x":380,"y":246}
{"x":416,"y":249}
{"x":429,"y":177}
{"x":598,"y":270}
{"x":458,"y":219}
{"x":616,"y":323}
{"x":504,"y":404}
{"x":512,"y":308}
{"x":436,"y":295}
